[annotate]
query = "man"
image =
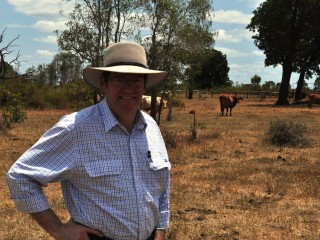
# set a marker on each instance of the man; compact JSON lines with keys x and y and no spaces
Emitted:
{"x":110,"y":158}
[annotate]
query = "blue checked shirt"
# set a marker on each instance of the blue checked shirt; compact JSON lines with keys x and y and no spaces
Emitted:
{"x":111,"y":180}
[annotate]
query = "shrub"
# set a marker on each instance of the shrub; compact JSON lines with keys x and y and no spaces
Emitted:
{"x":12,"y":109}
{"x":170,"y":139}
{"x":287,"y":133}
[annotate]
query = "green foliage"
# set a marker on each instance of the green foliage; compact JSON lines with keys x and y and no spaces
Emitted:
{"x":316,"y":86}
{"x":12,"y":109}
{"x":74,"y":95}
{"x":214,"y":70}
{"x":288,"y":33}
{"x":287,"y":133}
{"x":256,"y":80}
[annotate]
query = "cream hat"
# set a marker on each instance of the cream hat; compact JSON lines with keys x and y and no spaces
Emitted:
{"x":124,"y":57}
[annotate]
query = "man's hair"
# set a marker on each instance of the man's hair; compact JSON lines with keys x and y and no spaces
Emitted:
{"x":105,"y":75}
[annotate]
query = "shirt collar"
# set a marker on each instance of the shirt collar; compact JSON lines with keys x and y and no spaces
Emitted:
{"x":110,"y":120}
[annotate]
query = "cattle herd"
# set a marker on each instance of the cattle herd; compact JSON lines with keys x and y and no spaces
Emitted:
{"x":227,"y":102}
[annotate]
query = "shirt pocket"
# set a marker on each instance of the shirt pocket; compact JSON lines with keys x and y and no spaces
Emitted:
{"x":98,"y":168}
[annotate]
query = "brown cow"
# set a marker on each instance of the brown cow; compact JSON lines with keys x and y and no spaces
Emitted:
{"x":228,"y":101}
{"x":313,"y":99}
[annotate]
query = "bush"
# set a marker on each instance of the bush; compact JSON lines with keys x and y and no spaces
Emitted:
{"x":287,"y":133}
{"x":12,"y":109}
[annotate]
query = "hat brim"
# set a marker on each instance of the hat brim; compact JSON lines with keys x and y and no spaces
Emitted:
{"x":92,"y":74}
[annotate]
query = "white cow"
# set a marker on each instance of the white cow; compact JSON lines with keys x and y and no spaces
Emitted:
{"x":146,"y":103}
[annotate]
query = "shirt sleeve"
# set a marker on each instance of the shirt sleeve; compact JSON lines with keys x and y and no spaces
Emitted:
{"x":46,"y":161}
{"x":164,"y":206}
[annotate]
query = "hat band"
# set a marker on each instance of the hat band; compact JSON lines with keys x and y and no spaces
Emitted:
{"x":126,"y":63}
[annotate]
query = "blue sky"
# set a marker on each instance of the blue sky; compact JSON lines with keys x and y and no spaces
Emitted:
{"x":35,"y":20}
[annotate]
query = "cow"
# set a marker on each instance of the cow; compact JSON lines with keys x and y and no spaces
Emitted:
{"x":262,"y":96}
{"x":228,"y":101}
{"x":313,"y":99}
{"x":146,"y":103}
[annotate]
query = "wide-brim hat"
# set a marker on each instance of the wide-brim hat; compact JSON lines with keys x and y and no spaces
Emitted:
{"x":124,"y":57}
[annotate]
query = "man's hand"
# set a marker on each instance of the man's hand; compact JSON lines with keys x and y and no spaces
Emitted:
{"x":50,"y":222}
{"x":74,"y":231}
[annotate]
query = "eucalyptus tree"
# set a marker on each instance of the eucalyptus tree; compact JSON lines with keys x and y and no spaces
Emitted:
{"x":177,"y":31}
{"x":178,"y":35}
{"x":280,"y":27}
{"x":94,"y":24}
{"x":65,"y":67}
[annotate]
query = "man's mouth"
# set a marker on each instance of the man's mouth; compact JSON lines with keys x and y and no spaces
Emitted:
{"x":127,"y":98}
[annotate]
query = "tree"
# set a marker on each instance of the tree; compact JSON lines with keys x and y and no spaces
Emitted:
{"x":93,"y":25}
{"x":213,"y":70}
{"x":65,"y":67}
{"x":176,"y":32}
{"x":268,"y":85}
{"x":316,"y":85}
{"x":256,"y":80}
{"x":6,"y":70}
{"x":280,"y":27}
{"x":180,"y":32}
{"x":308,"y":52}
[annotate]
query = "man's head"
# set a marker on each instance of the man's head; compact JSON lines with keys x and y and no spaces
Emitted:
{"x":126,"y":58}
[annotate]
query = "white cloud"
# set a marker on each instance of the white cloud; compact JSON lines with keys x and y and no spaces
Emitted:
{"x":224,"y":36}
{"x":47,"y":8}
{"x":234,"y":36}
{"x":48,"y":39}
{"x":252,"y":3}
{"x":50,"y":26}
{"x":46,"y":53}
{"x":232,"y":16}
{"x":258,"y":53}
{"x":232,"y":53}
{"x":15,"y":25}
{"x":246,"y":71}
{"x":36,"y":7}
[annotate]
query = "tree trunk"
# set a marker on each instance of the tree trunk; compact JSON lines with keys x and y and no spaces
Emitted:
{"x":153,"y":112}
{"x":190,"y":93}
{"x":300,"y":83}
{"x":284,"y":87}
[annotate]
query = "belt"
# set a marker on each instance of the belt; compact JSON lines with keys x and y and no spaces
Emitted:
{"x":95,"y":237}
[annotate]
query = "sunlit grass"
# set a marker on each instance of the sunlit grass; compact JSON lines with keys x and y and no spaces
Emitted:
{"x":228,"y":183}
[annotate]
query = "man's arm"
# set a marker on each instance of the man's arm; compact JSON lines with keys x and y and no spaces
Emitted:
{"x":160,"y":234}
{"x":50,"y":222}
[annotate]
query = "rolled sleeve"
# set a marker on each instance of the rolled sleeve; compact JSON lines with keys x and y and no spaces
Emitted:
{"x":45,"y":162}
{"x":31,"y":204}
{"x":164,"y":206}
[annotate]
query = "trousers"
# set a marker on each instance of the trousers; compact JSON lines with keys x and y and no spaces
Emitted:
{"x":95,"y":237}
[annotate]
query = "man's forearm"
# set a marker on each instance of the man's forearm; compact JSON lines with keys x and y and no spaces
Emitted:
{"x":49,"y":221}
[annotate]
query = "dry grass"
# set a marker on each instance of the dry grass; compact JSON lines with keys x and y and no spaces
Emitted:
{"x":228,"y":183}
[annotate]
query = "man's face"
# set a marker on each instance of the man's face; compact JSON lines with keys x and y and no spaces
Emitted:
{"x":123,"y":91}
